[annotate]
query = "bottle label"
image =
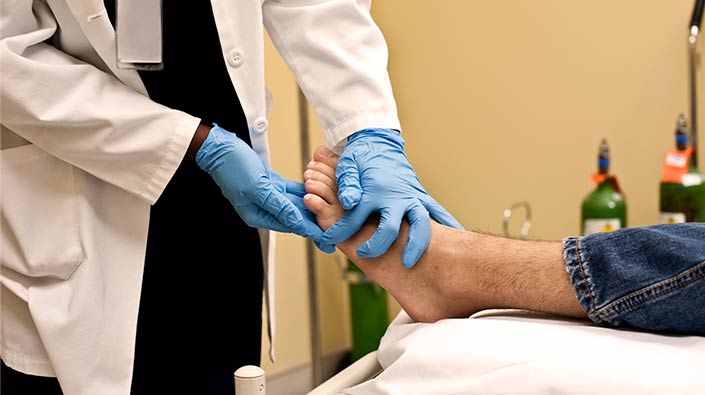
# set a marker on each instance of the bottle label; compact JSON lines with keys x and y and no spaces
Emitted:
{"x":691,"y":179}
{"x":671,"y":218}
{"x":601,"y":225}
{"x":675,"y":159}
{"x":675,"y":165}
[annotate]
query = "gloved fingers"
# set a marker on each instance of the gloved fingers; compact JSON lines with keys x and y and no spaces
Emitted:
{"x":348,"y":180}
{"x":349,"y":224}
{"x":327,"y":248}
{"x":274,"y":177}
{"x":268,"y":198}
{"x":300,"y":204}
{"x":419,"y":235}
{"x":387,"y":231}
{"x":440,"y":214}
{"x":321,"y":190}
{"x":277,"y":181}
{"x":285,"y":185}
{"x":295,"y":188}
{"x":316,"y":204}
{"x":255,"y":217}
{"x":311,"y":228}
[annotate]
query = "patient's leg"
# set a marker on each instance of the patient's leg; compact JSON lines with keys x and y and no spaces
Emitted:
{"x":461,"y":272}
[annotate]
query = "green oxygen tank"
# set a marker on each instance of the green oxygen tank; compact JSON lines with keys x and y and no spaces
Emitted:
{"x":368,"y":312}
{"x":604,"y":209}
{"x":682,"y":190}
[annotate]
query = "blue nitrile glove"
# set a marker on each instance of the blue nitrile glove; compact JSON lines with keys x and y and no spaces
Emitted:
{"x":295,"y":192}
{"x":374,"y":176}
{"x":261,"y":197}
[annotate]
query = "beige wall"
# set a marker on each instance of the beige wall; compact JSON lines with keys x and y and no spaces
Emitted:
{"x":503,"y":101}
{"x":507,"y":100}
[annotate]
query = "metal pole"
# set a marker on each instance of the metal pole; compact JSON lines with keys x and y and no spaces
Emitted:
{"x":316,"y":355}
{"x":693,"y":97}
{"x":695,"y":22}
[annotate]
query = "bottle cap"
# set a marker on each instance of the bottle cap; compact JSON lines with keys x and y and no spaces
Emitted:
{"x":681,"y":133}
{"x":603,"y":157}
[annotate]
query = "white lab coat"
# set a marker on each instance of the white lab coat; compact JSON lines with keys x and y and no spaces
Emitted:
{"x":85,"y":152}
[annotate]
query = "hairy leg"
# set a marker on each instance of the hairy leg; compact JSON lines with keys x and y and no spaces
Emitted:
{"x":461,"y":273}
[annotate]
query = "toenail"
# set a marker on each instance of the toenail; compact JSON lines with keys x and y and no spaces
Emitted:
{"x":327,"y":152}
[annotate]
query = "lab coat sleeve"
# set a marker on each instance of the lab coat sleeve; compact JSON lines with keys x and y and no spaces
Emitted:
{"x":80,"y":114}
{"x":339,"y":58}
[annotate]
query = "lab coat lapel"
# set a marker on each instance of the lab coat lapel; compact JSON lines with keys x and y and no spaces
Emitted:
{"x":93,"y":19}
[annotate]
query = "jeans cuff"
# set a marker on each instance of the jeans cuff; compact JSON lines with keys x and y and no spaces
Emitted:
{"x":579,"y":272}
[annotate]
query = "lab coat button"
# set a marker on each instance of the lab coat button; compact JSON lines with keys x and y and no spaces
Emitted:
{"x":261,"y":125}
{"x":235,"y":57}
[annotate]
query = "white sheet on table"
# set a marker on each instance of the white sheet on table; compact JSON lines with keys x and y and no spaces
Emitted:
{"x":515,"y":352}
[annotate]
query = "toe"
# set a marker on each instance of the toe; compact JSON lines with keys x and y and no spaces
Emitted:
{"x":328,"y":183}
{"x":324,"y":155}
{"x":322,"y":169}
{"x":326,"y":215}
{"x":322,"y":190}
{"x":315,"y":203}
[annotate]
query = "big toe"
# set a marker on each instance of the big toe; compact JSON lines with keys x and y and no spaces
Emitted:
{"x":324,"y":155}
{"x":315,"y":203}
{"x":325,"y":214}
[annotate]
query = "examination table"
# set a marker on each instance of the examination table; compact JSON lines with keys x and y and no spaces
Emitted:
{"x":519,"y":352}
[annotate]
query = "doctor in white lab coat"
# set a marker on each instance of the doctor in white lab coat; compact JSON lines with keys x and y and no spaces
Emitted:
{"x":86,"y":152}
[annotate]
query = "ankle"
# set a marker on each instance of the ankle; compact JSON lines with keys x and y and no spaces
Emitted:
{"x":447,"y":261}
{"x":466,"y":270}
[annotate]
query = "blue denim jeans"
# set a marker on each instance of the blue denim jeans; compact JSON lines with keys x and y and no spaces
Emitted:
{"x":651,"y":277}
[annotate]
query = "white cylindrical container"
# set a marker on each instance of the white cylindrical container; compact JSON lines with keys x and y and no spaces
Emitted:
{"x":249,"y":380}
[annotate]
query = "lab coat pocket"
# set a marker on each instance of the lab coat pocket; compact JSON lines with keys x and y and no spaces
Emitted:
{"x":40,"y":235}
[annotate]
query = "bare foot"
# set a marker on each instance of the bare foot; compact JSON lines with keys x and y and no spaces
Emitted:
{"x":430,"y":290}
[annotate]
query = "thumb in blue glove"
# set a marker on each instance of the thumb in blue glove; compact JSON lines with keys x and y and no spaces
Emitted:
{"x":247,"y":183}
{"x":295,"y":192}
{"x":374,"y":175}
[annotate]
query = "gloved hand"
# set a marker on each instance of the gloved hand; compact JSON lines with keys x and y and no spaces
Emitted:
{"x":374,"y":175}
{"x":295,"y":192}
{"x":261,"y":197}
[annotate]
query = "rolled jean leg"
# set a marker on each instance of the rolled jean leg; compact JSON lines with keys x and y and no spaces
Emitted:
{"x":651,"y":277}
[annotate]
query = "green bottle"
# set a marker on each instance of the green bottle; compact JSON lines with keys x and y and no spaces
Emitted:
{"x":604,"y":209}
{"x":368,"y":311}
{"x":682,"y":199}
